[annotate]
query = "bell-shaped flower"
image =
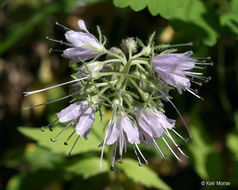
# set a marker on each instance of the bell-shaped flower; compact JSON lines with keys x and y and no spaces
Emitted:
{"x":81,"y":114}
{"x":120,"y":132}
{"x":154,"y":124}
{"x":85,"y":45}
{"x":173,"y":68}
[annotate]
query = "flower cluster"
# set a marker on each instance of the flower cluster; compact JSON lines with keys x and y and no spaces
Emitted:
{"x":133,"y":82}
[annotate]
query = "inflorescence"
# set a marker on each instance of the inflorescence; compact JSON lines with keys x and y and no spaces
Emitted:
{"x":133,"y":82}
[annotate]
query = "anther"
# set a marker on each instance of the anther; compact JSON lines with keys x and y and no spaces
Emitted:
{"x":120,"y":161}
{"x":49,"y":125}
{"x":53,"y":140}
{"x":140,"y":164}
{"x":112,"y":168}
{"x":66,"y":28}
{"x":66,"y":142}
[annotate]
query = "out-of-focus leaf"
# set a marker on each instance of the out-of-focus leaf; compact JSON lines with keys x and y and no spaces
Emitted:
{"x":43,"y":138}
{"x":232,"y":142}
{"x":205,"y":159}
{"x":191,"y":17}
{"x":25,"y":27}
{"x":121,"y":3}
{"x":87,"y":167}
{"x":230,"y":19}
{"x":30,"y":154}
{"x":142,"y":175}
{"x":195,"y":19}
{"x":138,"y":5}
{"x":37,"y":180}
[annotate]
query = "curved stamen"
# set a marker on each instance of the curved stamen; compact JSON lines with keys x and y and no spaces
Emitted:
{"x":184,"y":122}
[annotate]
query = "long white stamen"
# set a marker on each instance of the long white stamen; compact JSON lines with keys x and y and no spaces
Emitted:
{"x":185,"y":124}
{"x":54,"y":139}
{"x":58,"y":41}
{"x":48,"y":88}
{"x":146,"y":161}
{"x":66,"y":28}
{"x":171,"y":149}
{"x":158,"y":149}
{"x":66,"y":142}
{"x":171,"y":138}
{"x":189,"y":90}
{"x":140,"y":164}
{"x":103,"y":146}
{"x":70,"y":152}
{"x":180,"y":136}
{"x":52,"y":101}
{"x":114,"y":155}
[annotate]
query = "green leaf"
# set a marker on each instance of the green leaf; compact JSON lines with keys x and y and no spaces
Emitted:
{"x":37,"y":179}
{"x":87,"y":167}
{"x":138,"y":5}
{"x":121,"y":3}
{"x":43,"y":138}
{"x":191,"y":17}
{"x":30,"y":154}
{"x":196,"y":20}
{"x":204,"y":157}
{"x":142,"y":175}
{"x":232,"y":142}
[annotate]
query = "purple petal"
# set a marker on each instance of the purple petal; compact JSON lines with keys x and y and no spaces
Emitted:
{"x":130,"y":129}
{"x":113,"y":133}
{"x":71,"y":112}
{"x":82,"y":53}
{"x":85,"y":122}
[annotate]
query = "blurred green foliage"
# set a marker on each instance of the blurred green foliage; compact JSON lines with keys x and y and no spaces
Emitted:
{"x":38,"y":163}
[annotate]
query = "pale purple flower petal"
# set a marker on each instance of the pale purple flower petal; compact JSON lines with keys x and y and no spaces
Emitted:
{"x":172,"y":69}
{"x":72,"y":112}
{"x":153,"y":122}
{"x":85,"y":122}
{"x":79,"y":52}
{"x":130,"y":129}
{"x":80,"y":41}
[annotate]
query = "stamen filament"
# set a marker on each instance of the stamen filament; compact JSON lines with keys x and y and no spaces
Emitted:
{"x":66,"y":142}
{"x":54,"y":139}
{"x":48,"y":88}
{"x":146,"y":161}
{"x":70,"y":152}
{"x":171,"y":149}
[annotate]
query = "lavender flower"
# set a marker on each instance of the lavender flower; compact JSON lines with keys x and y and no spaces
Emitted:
{"x":81,"y":113}
{"x":174,"y":69}
{"x":85,"y":45}
{"x":154,"y":124}
{"x":121,"y":132}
